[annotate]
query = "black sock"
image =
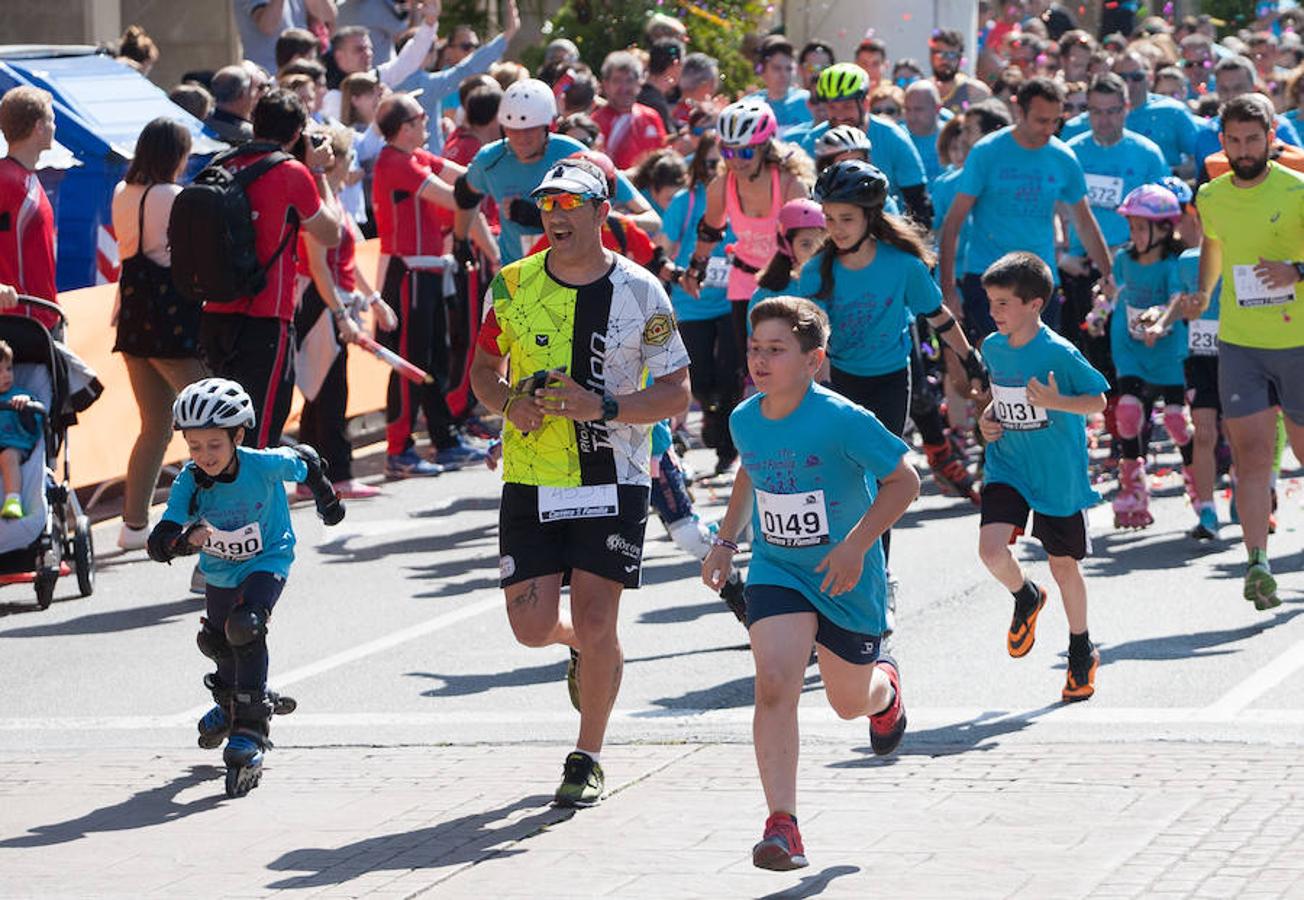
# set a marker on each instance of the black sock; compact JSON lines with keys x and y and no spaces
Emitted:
{"x":1026,"y":599}
{"x":1079,"y":645}
{"x":891,"y":698}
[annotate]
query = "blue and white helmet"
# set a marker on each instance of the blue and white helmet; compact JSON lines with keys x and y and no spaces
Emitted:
{"x":213,"y":403}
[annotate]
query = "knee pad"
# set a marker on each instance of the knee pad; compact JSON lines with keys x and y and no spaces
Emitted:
{"x":691,"y":536}
{"x":1129,"y":416}
{"x":245,"y":625}
{"x":213,"y":643}
{"x":1178,"y":424}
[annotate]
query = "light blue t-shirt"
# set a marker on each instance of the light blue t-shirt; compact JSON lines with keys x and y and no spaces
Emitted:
{"x":252,"y":511}
{"x":14,"y":433}
{"x":1207,"y":142}
{"x":1165,"y":121}
{"x":1140,"y":287}
{"x":790,"y":111}
{"x":496,"y":171}
{"x":944,"y":189}
{"x":926,"y":147}
{"x":1188,"y":273}
{"x":679,"y":225}
{"x":1047,"y":465}
{"x":1015,"y":192}
{"x":1111,"y":173}
{"x":438,"y":90}
{"x":829,"y":452}
{"x":871,"y":309}
{"x":893,"y":152}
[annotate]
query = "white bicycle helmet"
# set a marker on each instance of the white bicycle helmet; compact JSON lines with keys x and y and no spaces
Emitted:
{"x":527,"y":104}
{"x":213,"y":403}
{"x":840,"y":139}
{"x":747,"y":123}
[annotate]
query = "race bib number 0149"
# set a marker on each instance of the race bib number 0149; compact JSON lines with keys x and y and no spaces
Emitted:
{"x":1015,"y":411}
{"x":793,"y":520}
{"x":236,"y":545}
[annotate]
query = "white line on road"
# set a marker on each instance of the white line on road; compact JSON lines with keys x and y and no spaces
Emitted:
{"x":1258,"y":684}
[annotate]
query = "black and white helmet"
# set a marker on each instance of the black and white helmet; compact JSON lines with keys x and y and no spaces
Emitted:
{"x":840,"y":139}
{"x":746,"y":123}
{"x":213,"y":403}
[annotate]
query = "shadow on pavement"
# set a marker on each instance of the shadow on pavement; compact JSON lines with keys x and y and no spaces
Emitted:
{"x":118,"y":620}
{"x":156,"y":806}
{"x":812,"y":885}
{"x":460,"y":505}
{"x":949,"y":740}
{"x":338,"y":550}
{"x":675,"y":614}
{"x":468,"y":839}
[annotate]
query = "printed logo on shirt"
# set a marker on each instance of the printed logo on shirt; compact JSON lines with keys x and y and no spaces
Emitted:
{"x":541,"y":340}
{"x":618,"y":544}
{"x":658,"y":330}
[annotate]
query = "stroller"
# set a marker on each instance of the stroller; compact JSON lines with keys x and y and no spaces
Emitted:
{"x":54,"y":537}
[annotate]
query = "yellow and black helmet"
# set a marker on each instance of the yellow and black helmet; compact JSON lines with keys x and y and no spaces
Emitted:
{"x":842,"y":81}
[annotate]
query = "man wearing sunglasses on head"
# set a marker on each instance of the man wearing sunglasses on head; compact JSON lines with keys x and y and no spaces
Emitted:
{"x":562,"y":353}
{"x":956,"y":90}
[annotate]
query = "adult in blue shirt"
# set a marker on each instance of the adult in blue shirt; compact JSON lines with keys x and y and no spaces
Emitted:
{"x":1114,"y":161}
{"x":1234,"y":77}
{"x":842,"y":88}
{"x":775,"y":60}
{"x":509,"y":169}
{"x":924,"y":118}
{"x":1012,"y":181}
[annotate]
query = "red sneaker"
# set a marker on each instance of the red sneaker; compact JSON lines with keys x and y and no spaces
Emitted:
{"x":780,"y":848}
{"x":888,"y":727}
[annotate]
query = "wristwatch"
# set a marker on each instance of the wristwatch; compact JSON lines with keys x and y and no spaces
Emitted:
{"x":610,"y":408}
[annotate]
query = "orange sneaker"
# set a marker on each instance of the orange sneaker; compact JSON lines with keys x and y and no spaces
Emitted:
{"x":1080,"y":682}
{"x":1023,"y":632}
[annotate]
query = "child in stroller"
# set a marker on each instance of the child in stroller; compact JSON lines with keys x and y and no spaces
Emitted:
{"x":19,"y":433}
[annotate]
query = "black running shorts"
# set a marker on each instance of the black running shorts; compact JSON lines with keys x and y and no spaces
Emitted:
{"x":1060,"y":535}
{"x":765,"y":600}
{"x":1202,"y":382}
{"x":607,"y":546}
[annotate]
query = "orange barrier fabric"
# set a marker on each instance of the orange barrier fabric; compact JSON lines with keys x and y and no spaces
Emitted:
{"x":101,"y":440}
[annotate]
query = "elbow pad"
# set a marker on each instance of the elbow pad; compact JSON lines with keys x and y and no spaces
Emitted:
{"x":918,"y":204}
{"x":166,"y":542}
{"x":329,"y":508}
{"x":709,"y":233}
{"x":464,"y":196}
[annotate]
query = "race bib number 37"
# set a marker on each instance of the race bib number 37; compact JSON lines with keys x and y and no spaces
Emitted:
{"x":793,"y":520}
{"x":236,"y":545}
{"x":1015,"y":411}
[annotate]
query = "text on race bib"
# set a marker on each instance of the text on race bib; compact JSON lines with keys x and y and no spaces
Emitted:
{"x":1015,"y":411}
{"x":594,"y":501}
{"x":1104,"y":190}
{"x":1202,"y":337}
{"x":1251,"y":291}
{"x":793,"y":520}
{"x":717,"y":272}
{"x":236,"y":545}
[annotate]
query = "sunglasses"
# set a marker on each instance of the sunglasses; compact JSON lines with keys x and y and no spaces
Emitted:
{"x":952,"y":55}
{"x":549,"y":202}
{"x":891,"y":111}
{"x":1074,"y":108}
{"x":1132,"y":76}
{"x":1196,"y":64}
{"x":737,"y":153}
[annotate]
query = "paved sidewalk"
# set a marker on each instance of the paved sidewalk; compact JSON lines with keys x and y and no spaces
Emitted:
{"x":1014,"y":820}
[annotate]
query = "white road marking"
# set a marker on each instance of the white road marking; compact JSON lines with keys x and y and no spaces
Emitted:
{"x":1263,"y":680}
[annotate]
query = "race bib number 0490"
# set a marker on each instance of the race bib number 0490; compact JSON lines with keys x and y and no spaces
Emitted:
{"x":1015,"y":411}
{"x":793,"y":520}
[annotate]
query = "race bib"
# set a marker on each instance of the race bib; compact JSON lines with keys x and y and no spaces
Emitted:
{"x":237,"y":545}
{"x":793,"y":520}
{"x":1251,"y":292}
{"x":1202,"y":337}
{"x":1104,"y":190}
{"x":717,"y":272}
{"x":594,"y":501}
{"x":1015,"y":411}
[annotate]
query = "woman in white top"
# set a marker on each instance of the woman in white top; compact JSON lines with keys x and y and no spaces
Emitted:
{"x":157,"y":329}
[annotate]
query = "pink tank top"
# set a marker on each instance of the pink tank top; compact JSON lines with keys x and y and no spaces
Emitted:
{"x":758,"y":239}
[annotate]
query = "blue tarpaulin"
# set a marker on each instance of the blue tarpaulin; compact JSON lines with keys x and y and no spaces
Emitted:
{"x":100,"y":107}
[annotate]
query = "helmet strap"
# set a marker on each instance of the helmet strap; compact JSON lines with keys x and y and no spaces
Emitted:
{"x":869,"y":227}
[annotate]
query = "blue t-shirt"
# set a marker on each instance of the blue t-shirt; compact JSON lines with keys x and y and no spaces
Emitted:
{"x":1202,"y":335}
{"x":790,"y":111}
{"x":1167,"y":122}
{"x":1047,"y":465}
{"x":250,"y":515}
{"x":1015,"y":192}
{"x":893,"y":152}
{"x":926,"y":147}
{"x":496,"y":171}
{"x":944,"y":189}
{"x":1111,"y":173}
{"x":14,"y":433}
{"x":1207,"y":142}
{"x":871,"y":309}
{"x":679,"y":225}
{"x":1140,"y":287}
{"x":833,"y":452}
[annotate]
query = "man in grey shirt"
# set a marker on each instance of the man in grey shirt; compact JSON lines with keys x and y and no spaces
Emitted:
{"x":260,"y":23}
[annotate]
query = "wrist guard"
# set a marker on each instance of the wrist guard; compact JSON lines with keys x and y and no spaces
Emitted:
{"x":709,"y":233}
{"x":329,"y":508}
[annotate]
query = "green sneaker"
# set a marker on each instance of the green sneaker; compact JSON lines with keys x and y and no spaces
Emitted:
{"x":573,"y":678}
{"x":1260,"y":587}
{"x":12,"y":509}
{"x":581,"y":782}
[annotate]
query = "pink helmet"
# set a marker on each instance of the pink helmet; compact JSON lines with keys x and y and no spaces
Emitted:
{"x":1153,"y":202}
{"x":800,"y":213}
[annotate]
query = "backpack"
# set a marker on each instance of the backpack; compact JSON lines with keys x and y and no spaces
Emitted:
{"x":211,"y":231}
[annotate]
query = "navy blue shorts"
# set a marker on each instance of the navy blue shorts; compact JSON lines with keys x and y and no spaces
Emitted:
{"x":765,"y":600}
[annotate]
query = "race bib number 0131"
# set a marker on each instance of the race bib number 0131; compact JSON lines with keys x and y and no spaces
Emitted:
{"x":1015,"y":411}
{"x":793,"y":520}
{"x":236,"y":545}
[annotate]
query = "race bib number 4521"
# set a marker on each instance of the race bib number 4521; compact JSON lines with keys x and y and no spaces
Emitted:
{"x":793,"y":520}
{"x":236,"y":545}
{"x":1015,"y":411}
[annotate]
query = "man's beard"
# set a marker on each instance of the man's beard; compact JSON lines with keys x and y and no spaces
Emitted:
{"x":944,"y":73}
{"x":1248,"y":169}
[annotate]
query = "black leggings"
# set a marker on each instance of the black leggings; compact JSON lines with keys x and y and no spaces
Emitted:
{"x":257,"y":354}
{"x":422,"y":339}
{"x":886,"y":396}
{"x":323,"y":423}
{"x":713,"y":366}
{"x":245,"y":668}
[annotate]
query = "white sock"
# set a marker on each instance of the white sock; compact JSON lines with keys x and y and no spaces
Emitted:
{"x":592,"y":756}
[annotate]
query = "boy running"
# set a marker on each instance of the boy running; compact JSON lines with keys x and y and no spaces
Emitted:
{"x":821,"y":480}
{"x":1042,"y":391}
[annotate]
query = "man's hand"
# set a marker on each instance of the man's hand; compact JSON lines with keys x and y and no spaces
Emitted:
{"x":428,"y":10}
{"x":842,"y":567}
{"x":563,"y":396}
{"x":347,"y":329}
{"x":990,"y":428}
{"x":513,"y":23}
{"x":1276,"y":274}
{"x":318,"y":158}
{"x":386,"y":318}
{"x":8,"y":296}
{"x":525,"y":413}
{"x":1189,"y":305}
{"x":716,"y":567}
{"x":1047,"y":395}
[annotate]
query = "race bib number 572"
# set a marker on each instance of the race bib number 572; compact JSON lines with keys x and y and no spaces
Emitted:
{"x":793,"y":520}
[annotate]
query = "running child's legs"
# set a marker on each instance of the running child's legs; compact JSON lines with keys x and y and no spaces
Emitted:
{"x":781,"y":651}
{"x":994,"y":551}
{"x":1073,"y":591}
{"x":853,"y":689}
{"x":10,"y":463}
{"x":236,"y":627}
